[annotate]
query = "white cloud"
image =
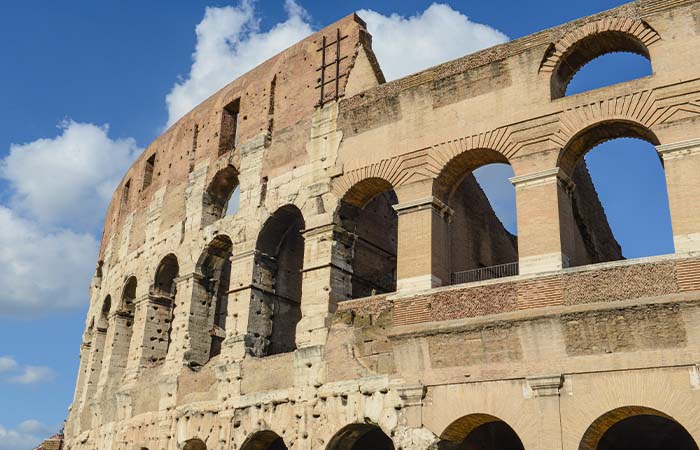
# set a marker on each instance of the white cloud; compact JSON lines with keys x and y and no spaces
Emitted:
{"x":68,"y":179}
{"x":229,"y":44}
{"x":42,"y":271}
{"x":27,"y":435}
{"x":7,"y":363}
{"x":34,"y":375}
{"x":58,"y":192}
{"x":438,"y":34}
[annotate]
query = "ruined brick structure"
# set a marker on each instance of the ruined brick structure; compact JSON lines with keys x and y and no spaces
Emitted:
{"x":323,"y":313}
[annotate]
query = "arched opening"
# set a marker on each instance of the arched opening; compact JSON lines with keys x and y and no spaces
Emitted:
{"x":609,"y":69}
{"x":616,"y":214}
{"x":636,"y":428}
{"x":212,"y":290}
{"x":222,"y":196}
{"x":277,"y":276}
{"x":103,"y":319}
{"x":367,"y":213}
{"x":591,"y":47}
{"x":264,"y":440}
{"x":360,"y":436}
{"x":164,"y":291}
{"x":124,"y":322}
{"x":479,"y":432}
{"x":482,"y":231}
{"x":194,"y":444}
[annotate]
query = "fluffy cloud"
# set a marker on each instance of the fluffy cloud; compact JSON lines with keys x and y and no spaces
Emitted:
{"x":28,"y":434}
{"x":58,"y":191}
{"x":68,"y":179}
{"x":230,"y":43}
{"x":405,"y":45}
{"x":7,"y":363}
{"x":34,"y":375}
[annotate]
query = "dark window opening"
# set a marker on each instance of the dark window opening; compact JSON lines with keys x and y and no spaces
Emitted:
{"x":264,"y":440}
{"x":125,"y":192}
{"x":148,"y":171}
{"x":228,"y":136}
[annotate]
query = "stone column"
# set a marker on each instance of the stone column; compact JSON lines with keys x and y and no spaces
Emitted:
{"x":327,"y":280}
{"x":149,"y":343}
{"x":682,"y":167}
{"x":421,"y":260}
{"x":117,"y":348}
{"x":239,"y":298}
{"x":545,"y":390}
{"x":190,"y":336}
{"x":546,"y":226}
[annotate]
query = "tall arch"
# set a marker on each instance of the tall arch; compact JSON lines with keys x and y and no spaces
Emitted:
{"x":218,"y":194}
{"x":276,"y":298}
{"x":586,"y":43}
{"x":480,"y":432}
{"x":360,"y":436}
{"x":211,"y":290}
{"x":636,"y":428}
{"x":479,"y":246}
{"x":366,"y":212}
{"x":592,"y":237}
{"x":103,"y":318}
{"x":164,"y":291}
{"x":264,"y":440}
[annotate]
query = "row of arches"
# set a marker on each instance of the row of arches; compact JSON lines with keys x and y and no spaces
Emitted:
{"x":625,"y":428}
{"x":477,"y":240}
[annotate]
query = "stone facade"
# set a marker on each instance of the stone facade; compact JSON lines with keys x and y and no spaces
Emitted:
{"x":324,"y":312}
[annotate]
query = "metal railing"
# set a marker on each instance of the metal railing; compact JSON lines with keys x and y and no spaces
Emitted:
{"x":485,"y":273}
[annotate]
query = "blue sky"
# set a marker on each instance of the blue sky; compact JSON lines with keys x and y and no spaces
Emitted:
{"x":83,"y":89}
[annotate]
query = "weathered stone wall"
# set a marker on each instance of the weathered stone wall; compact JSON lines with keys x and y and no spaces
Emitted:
{"x":215,"y":331}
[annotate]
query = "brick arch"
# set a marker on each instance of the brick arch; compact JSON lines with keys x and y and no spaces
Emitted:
{"x":585,"y":43}
{"x":462,"y":164}
{"x":597,"y":133}
{"x":597,"y":430}
{"x":360,"y":436}
{"x":370,"y":178}
{"x":128,"y":293}
{"x":476,"y":427}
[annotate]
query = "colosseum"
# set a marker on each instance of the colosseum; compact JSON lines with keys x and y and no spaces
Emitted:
{"x":364,"y":295}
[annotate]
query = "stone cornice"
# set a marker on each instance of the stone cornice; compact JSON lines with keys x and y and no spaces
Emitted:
{"x":679,"y":149}
{"x":543,"y":177}
{"x":424,"y":203}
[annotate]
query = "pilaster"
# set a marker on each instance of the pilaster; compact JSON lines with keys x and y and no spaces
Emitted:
{"x":682,"y":167}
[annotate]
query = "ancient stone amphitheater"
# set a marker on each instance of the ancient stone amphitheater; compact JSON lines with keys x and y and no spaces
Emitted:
{"x":365,"y":296}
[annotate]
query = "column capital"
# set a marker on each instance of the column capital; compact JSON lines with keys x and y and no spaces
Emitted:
{"x":679,"y":149}
{"x":424,"y":203}
{"x":555,"y":174}
{"x":545,"y":385}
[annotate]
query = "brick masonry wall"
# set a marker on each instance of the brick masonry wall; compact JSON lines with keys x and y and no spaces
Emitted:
{"x":595,"y":285}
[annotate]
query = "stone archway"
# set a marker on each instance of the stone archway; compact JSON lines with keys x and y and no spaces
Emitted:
{"x":479,"y":432}
{"x":636,"y":428}
{"x":264,"y":440}
{"x":360,"y":436}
